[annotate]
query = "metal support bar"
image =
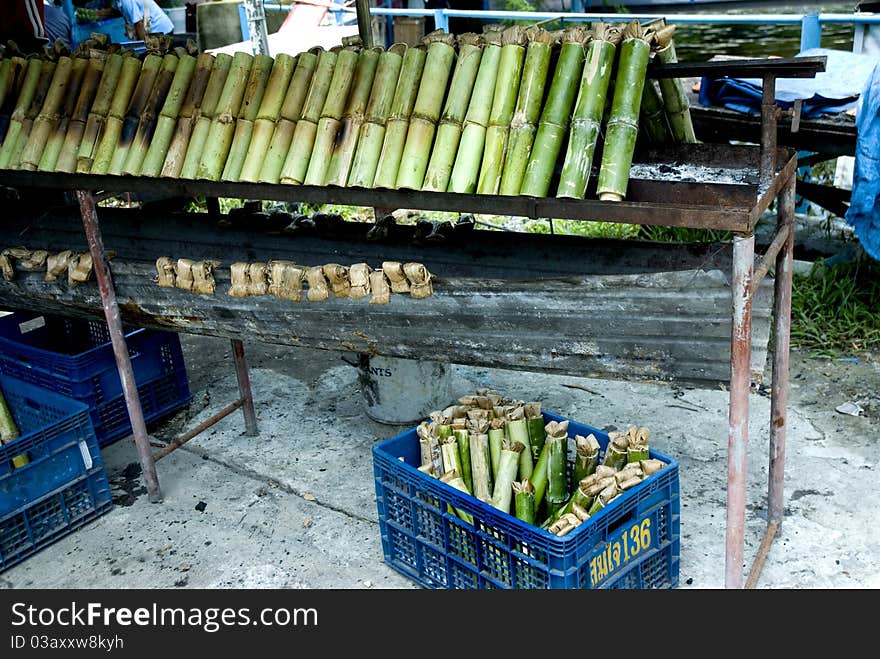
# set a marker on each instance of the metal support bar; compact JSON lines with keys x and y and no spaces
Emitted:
{"x":769,"y":257}
{"x":117,"y":338}
{"x":244,"y":388}
{"x":184,"y":438}
{"x":761,"y":556}
{"x":738,"y":430}
{"x":768,"y":129}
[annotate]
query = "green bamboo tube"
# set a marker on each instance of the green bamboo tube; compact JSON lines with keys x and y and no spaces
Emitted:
{"x":466,"y":168}
{"x":331,"y":115}
{"x":554,"y":121}
{"x":289,"y":115}
{"x":586,"y":122}
{"x":513,"y":51}
{"x":623,"y":123}
{"x":372,"y":133}
{"x":470,"y":50}
{"x":586,"y":458}
{"x":112,"y":86}
{"x":147,"y":123}
{"x":166,"y":122}
{"x":204,"y":116}
{"x":261,"y":71}
{"x":524,"y":123}
{"x":9,"y":432}
{"x":47,"y":75}
{"x":557,"y":479}
{"x":296,"y":162}
{"x":578,"y":497}
{"x":463,"y":442}
{"x":54,"y":144}
{"x":453,"y":479}
{"x":426,"y":110}
{"x":672,"y":90}
{"x":524,"y":501}
{"x":352,"y":121}
{"x":502,"y":493}
{"x":15,"y":68}
{"x":653,"y":124}
{"x":7,"y":78}
{"x":539,"y":475}
{"x":517,"y":431}
{"x":79,"y":117}
{"x":535,"y":426}
{"x":222,"y":130}
{"x":394,"y":136}
{"x":496,"y":438}
{"x":267,"y":116}
{"x":33,"y":74}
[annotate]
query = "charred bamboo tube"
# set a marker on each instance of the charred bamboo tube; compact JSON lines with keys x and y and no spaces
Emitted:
{"x":524,"y":501}
{"x":112,"y":87}
{"x":289,"y":115}
{"x":555,"y":115}
{"x":169,"y":115}
{"x":524,"y":123}
{"x":502,"y":493}
{"x":397,"y":125}
{"x":350,"y":128}
{"x":222,"y":130}
{"x":55,"y":142}
{"x":372,"y":134}
{"x":470,"y":50}
{"x":32,"y":75}
{"x":187,"y":115}
{"x":47,"y":75}
{"x":261,"y":71}
{"x":586,"y":123}
{"x":204,"y":117}
{"x":513,"y":51}
{"x":623,"y":122}
{"x":296,"y":161}
{"x":94,"y":72}
{"x":267,"y":116}
{"x":672,"y":90}
{"x":146,"y":128}
{"x":15,"y":72}
{"x":466,"y":168}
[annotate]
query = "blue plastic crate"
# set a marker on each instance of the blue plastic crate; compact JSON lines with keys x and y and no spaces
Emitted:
{"x":75,"y":357}
{"x":56,"y":436}
{"x":632,"y":543}
{"x":55,"y":515}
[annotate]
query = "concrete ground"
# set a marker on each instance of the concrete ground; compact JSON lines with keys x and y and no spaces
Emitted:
{"x":295,"y":507}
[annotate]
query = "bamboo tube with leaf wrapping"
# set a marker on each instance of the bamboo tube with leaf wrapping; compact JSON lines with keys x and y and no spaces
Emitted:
{"x":524,"y":501}
{"x":9,"y":432}
{"x":394,"y":137}
{"x":615,"y":453}
{"x":450,"y":456}
{"x":330,"y":121}
{"x":555,"y":116}
{"x":675,"y":98}
{"x":524,"y":123}
{"x":30,"y":84}
{"x":518,"y":431}
{"x":496,"y":435}
{"x":267,"y":117}
{"x":48,"y":159}
{"x":463,"y":444}
{"x":513,"y":50}
{"x":261,"y":71}
{"x":112,"y":87}
{"x":578,"y":497}
{"x":622,"y":127}
{"x":508,"y":465}
{"x":372,"y":133}
{"x":637,"y":449}
{"x":481,"y":463}
{"x":461,"y":87}
{"x":557,"y":466}
{"x":66,"y":161}
{"x":466,"y":168}
{"x":586,"y":458}
{"x":535,"y":426}
{"x":352,"y":121}
{"x":652,"y":116}
{"x":288,"y":116}
{"x":202,"y":118}
{"x":586,"y":122}
{"x":426,"y":110}
{"x":296,"y":162}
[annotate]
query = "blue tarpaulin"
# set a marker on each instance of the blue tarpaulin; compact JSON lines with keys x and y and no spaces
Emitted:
{"x":864,"y":212}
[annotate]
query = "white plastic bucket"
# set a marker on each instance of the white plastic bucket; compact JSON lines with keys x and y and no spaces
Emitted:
{"x":402,"y":391}
{"x":178,"y":17}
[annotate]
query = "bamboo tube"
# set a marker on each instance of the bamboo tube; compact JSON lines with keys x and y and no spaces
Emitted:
{"x":623,"y":123}
{"x":7,"y":78}
{"x":539,"y":476}
{"x":470,"y":50}
{"x":615,"y":452}
{"x":466,"y":168}
{"x":222,"y":130}
{"x":672,"y":90}
{"x":9,"y":432}
{"x":150,"y":68}
{"x":502,"y":493}
{"x":372,"y":133}
{"x":296,"y":162}
{"x":352,"y":121}
{"x":463,"y":444}
{"x":15,"y":72}
{"x":535,"y":427}
{"x":450,"y":456}
{"x":524,"y":501}
{"x":112,"y":86}
{"x":586,"y":122}
{"x":586,"y":458}
{"x":166,"y":122}
{"x":261,"y":71}
{"x":578,"y":498}
{"x":513,"y":50}
{"x":267,"y":116}
{"x":94,"y":72}
{"x":55,"y":140}
{"x":517,"y":431}
{"x":637,"y":450}
{"x":394,"y":138}
{"x":147,"y":123}
{"x":524,"y":122}
{"x":47,"y":75}
{"x":557,"y":476}
{"x":175,"y":149}
{"x":555,"y":115}
{"x":331,"y":115}
{"x":652,"y":116}
{"x":289,"y":115}
{"x":202,"y":118}
{"x":481,"y":467}
{"x":32,"y":75}
{"x":496,"y":438}
{"x":453,"y":479}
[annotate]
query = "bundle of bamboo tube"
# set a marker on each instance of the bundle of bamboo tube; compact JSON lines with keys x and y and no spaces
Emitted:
{"x":511,"y":111}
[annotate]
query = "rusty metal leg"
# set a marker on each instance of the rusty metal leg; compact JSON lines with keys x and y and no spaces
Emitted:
{"x":117,"y":338}
{"x":738,"y":431}
{"x":244,"y":388}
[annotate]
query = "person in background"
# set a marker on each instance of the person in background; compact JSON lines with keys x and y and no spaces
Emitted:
{"x":142,"y":17}
{"x":56,"y":23}
{"x":22,"y":22}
